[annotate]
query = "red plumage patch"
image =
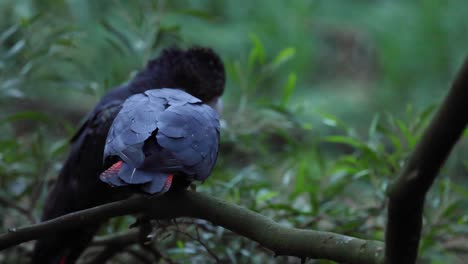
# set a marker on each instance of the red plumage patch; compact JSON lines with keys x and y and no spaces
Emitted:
{"x":168,"y":183}
{"x":114,"y":169}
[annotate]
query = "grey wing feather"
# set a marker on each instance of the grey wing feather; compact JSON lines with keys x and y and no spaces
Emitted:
{"x":157,"y":183}
{"x":191,"y":133}
{"x":187,"y":137}
{"x":132,"y":175}
{"x":133,"y":125}
{"x":173,"y":96}
{"x":113,"y":180}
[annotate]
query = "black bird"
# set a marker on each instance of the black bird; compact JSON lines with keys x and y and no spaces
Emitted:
{"x":200,"y":73}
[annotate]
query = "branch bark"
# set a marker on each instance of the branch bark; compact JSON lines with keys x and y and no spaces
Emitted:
{"x":407,"y":194}
{"x":277,"y":238}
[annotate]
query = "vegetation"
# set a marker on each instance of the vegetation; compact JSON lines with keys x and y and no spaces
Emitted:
{"x":325,"y":102}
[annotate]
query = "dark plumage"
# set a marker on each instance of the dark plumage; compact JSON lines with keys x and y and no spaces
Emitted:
{"x":199,"y":71}
{"x":159,"y":133}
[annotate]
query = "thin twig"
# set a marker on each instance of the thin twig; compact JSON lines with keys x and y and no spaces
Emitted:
{"x":5,"y":202}
{"x":200,"y":241}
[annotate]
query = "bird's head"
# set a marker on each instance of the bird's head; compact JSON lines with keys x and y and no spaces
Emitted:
{"x":199,"y":71}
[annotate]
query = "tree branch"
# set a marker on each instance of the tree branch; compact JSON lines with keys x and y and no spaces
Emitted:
{"x":407,"y":194}
{"x":279,"y":239}
{"x":96,"y":214}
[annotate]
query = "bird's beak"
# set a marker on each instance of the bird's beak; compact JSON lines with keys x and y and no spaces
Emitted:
{"x":217,"y":104}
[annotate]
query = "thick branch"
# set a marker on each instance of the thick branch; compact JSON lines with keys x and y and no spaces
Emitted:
{"x":407,"y":194}
{"x":19,"y":235}
{"x":279,"y":239}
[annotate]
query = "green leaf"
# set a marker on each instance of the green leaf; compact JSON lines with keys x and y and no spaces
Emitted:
{"x":170,"y":28}
{"x":361,"y":174}
{"x":406,"y":133}
{"x":8,"y":33}
{"x":66,"y":42}
{"x":282,"y":57}
{"x":424,"y":116}
{"x":28,"y":21}
{"x":288,"y":89}
{"x":333,"y":121}
{"x":119,"y":35}
{"x":265,"y":195}
{"x":26,"y":115}
{"x":197,"y":13}
{"x":180,"y":244}
{"x":257,"y":54}
{"x":16,"y":48}
{"x":344,"y":140}
{"x":301,"y":177}
{"x":373,"y":126}
{"x":366,"y":151}
{"x":452,"y":208}
{"x":58,"y":147}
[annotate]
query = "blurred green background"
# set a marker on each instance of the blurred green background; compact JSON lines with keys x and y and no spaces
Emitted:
{"x":324,"y":101}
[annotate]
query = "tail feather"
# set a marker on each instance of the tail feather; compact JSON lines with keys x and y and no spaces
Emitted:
{"x":161,"y":183}
{"x":111,"y":175}
{"x":151,"y":182}
{"x":132,"y":175}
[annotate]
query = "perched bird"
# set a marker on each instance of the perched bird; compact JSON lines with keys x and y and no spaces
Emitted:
{"x":160,"y":135}
{"x":196,"y":75}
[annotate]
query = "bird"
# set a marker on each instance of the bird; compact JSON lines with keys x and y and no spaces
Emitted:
{"x":160,"y":135}
{"x":88,"y":177}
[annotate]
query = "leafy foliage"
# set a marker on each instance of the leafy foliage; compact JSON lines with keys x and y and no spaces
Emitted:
{"x":293,"y":69}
